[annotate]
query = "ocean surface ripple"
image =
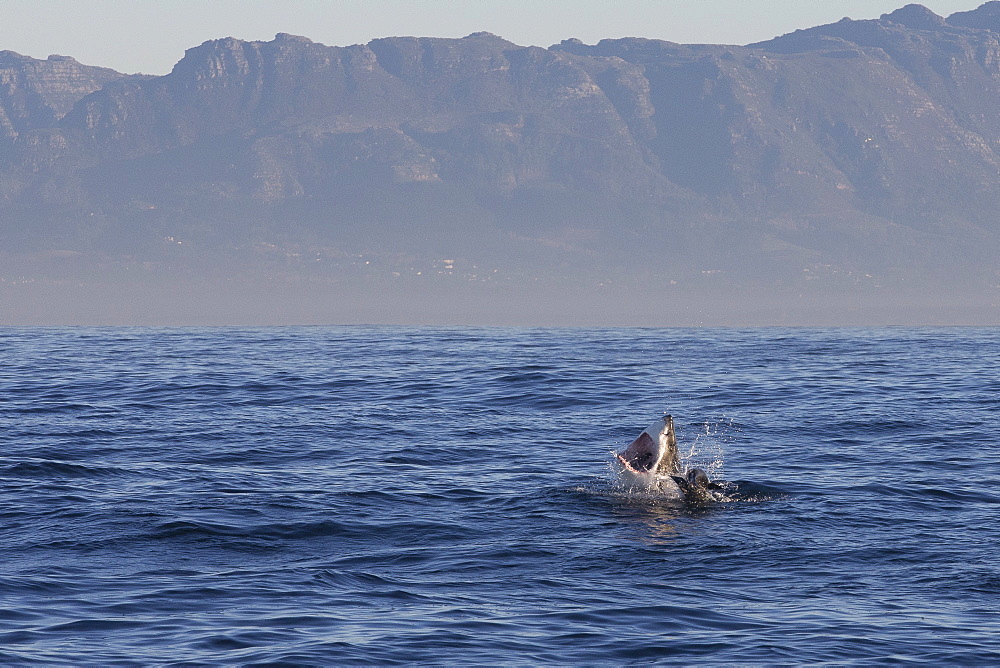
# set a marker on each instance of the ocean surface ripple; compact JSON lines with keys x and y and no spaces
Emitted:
{"x":386,"y":495}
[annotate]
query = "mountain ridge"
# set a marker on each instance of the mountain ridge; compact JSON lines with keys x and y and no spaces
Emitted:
{"x":856,"y":160}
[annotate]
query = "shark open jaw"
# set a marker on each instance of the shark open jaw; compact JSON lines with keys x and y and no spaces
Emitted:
{"x":654,"y":452}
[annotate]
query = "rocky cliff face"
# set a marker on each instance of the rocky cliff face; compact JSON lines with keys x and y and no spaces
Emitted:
{"x":865,"y":149}
{"x":38,"y":93}
{"x":416,"y":106}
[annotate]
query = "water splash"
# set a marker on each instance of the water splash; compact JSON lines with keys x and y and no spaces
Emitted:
{"x":707,"y":446}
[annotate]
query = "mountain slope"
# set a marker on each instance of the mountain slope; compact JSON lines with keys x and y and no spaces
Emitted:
{"x":856,"y":160}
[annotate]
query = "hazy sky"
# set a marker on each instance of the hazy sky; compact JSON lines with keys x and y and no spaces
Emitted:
{"x":151,"y":35}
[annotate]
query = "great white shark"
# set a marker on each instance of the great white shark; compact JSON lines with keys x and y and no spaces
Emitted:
{"x":651,"y":464}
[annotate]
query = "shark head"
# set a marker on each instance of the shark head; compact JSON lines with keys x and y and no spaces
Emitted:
{"x":652,"y":457}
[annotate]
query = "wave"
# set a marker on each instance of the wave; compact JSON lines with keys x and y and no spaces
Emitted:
{"x":54,"y":470}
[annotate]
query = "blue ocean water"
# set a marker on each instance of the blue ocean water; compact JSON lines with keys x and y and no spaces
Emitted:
{"x":363,"y":495}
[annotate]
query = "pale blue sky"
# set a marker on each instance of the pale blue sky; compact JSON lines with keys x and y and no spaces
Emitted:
{"x":151,"y":35}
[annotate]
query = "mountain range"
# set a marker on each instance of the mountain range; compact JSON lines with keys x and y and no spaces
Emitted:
{"x":842,"y":174}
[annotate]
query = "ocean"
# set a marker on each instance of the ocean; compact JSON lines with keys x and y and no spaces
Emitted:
{"x":387,"y":495}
